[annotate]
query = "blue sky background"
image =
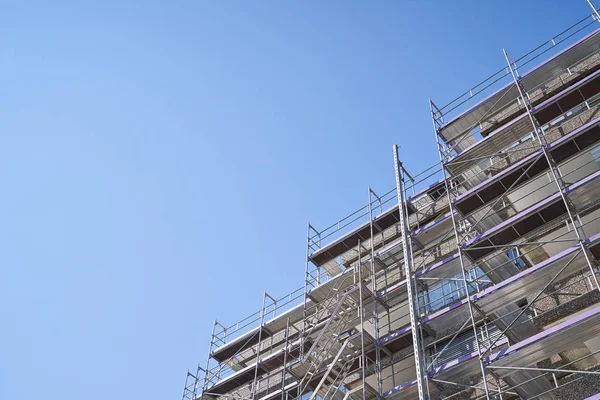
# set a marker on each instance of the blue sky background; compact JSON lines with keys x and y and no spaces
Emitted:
{"x":159,"y":162}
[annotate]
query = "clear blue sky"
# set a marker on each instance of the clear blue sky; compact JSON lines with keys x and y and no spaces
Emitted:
{"x":159,"y":162}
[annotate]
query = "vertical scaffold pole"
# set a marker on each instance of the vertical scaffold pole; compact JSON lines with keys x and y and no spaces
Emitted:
{"x":260,"y":328}
{"x":362,"y":322}
{"x":210,"y":349}
{"x":285,"y":353}
{"x":374,"y":293}
{"x":408,"y":268}
{"x":306,"y":280}
{"x":459,"y":249}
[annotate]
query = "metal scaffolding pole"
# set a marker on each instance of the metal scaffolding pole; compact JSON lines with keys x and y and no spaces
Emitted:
{"x":210,"y":348}
{"x":285,"y":354}
{"x":408,"y":268}
{"x":377,"y":366}
{"x":448,"y":185}
{"x":362,"y":323}
{"x":306,"y":287}
{"x":262,"y":320}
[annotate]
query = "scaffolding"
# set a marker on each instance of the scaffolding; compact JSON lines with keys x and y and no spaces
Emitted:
{"x":476,"y":278}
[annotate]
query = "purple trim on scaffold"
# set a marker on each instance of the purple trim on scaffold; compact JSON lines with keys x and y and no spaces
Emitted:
{"x":576,"y":132}
{"x":420,"y":192}
{"x":512,"y":219}
{"x":468,"y":110}
{"x":405,"y":385}
{"x":509,"y":350}
{"x":462,"y":359}
{"x":395,"y":334}
{"x":582,"y":182}
{"x":556,"y":143}
{"x":524,"y":273}
{"x":544,"y":334}
{"x":557,"y":96}
{"x":436,"y":265}
{"x":487,"y":138}
{"x":432,"y":223}
{"x":440,"y":369}
{"x":502,"y":353}
{"x":495,"y":178}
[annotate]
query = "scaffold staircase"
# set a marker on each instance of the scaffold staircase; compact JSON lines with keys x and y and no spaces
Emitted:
{"x":332,"y":345}
{"x":330,"y":385}
{"x":328,"y":340}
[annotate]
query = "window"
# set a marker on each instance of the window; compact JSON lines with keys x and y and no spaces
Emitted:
{"x":449,"y":290}
{"x":515,"y":257}
{"x":437,"y":192}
